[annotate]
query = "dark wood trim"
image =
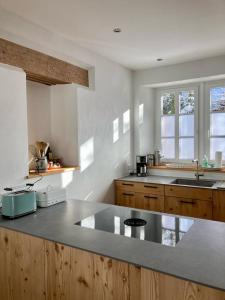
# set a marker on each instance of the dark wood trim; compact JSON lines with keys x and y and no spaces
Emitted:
{"x":41,"y":67}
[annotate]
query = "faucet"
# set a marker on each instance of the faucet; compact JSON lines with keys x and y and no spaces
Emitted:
{"x":197,"y":175}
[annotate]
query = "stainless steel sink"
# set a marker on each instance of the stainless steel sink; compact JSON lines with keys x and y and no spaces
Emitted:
{"x":193,"y":182}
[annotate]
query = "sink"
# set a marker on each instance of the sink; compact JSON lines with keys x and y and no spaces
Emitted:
{"x":193,"y":182}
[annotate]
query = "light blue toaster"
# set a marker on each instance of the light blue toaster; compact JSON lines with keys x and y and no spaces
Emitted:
{"x":19,"y":203}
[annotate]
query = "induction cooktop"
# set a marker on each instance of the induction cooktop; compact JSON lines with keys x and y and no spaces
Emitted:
{"x":158,"y":228}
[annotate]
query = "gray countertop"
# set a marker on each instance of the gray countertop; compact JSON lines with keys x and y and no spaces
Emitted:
{"x":168,"y":180}
{"x":199,"y":256}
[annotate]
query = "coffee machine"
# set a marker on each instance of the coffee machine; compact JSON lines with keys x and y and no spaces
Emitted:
{"x":141,"y":165}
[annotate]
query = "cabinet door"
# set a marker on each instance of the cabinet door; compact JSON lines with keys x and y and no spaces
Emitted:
{"x":149,"y":188}
{"x":149,"y":202}
{"x":125,"y":198}
{"x":125,"y":185}
{"x":219,"y":205}
{"x":189,"y":207}
{"x":188,"y":192}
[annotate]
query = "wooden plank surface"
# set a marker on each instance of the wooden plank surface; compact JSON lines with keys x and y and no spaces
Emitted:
{"x":103,"y":278}
{"x":32,"y":268}
{"x":41,"y":67}
{"x":22,"y":261}
{"x":82,"y":275}
{"x":34,"y":174}
{"x":191,"y":168}
{"x":58,"y":271}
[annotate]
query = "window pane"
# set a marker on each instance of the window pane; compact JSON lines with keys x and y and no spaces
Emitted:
{"x":217,"y":144}
{"x":217,"y":99}
{"x":185,"y":224}
{"x":168,"y":222}
{"x":186,"y":148}
{"x":218,"y":124}
{"x":168,"y":104}
{"x":186,"y":102}
{"x":186,"y":125}
{"x":168,"y":126}
{"x":168,"y":148}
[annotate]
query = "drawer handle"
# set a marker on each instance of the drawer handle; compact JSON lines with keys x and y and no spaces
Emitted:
{"x":187,"y":202}
{"x":129,"y":184}
{"x":126,"y":194}
{"x":151,"y":197}
{"x":150,"y":186}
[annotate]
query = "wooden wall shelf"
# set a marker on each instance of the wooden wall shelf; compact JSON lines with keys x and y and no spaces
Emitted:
{"x":33,"y":174}
{"x":40,"y":67}
{"x":187,"y":168}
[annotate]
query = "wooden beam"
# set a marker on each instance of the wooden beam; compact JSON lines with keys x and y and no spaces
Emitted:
{"x":40,"y":67}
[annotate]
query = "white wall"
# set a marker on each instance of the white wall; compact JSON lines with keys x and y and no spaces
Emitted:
{"x":108,"y":98}
{"x":203,"y":68}
{"x":13,"y":126}
{"x":38,"y":112}
{"x":64,"y":123}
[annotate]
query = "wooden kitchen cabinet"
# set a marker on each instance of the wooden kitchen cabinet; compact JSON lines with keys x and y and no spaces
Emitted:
{"x":125,"y":185}
{"x":188,"y":207}
{"x":149,"y":188}
{"x":188,"y":201}
{"x":219,"y":205}
{"x":140,"y":195}
{"x":188,"y":192}
{"x":195,"y":202}
{"x":125,"y":198}
{"x":149,"y":202}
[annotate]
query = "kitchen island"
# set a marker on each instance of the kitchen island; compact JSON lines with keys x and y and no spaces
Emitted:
{"x":46,"y":256}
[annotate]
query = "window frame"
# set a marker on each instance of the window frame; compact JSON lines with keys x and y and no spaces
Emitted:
{"x":208,"y":87}
{"x":158,"y":136}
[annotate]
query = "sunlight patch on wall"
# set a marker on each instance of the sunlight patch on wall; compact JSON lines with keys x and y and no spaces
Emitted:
{"x":141,"y":113}
{"x":126,"y":121}
{"x":66,"y":178}
{"x":86,"y":154}
{"x":115,"y":130}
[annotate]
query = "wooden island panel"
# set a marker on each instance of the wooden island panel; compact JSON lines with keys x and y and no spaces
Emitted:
{"x":33,"y":268}
{"x":22,"y":266}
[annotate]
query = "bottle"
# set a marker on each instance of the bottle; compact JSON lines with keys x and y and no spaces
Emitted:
{"x":205,"y":161}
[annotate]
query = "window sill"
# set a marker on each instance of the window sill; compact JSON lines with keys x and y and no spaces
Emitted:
{"x":34,"y":173}
{"x":189,"y":168}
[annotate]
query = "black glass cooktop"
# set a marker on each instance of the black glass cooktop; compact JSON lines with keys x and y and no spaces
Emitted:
{"x":158,"y":228}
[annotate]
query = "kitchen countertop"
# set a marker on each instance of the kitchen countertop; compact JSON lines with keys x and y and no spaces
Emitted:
{"x":198,"y":257}
{"x":168,"y":180}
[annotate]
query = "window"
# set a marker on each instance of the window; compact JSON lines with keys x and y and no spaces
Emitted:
{"x":217,"y":121}
{"x":178,"y":124}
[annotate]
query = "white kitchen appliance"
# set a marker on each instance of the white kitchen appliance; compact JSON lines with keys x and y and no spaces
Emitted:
{"x":50,"y":196}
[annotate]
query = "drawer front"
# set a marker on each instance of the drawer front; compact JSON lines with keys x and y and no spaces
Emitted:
{"x":125,"y":198}
{"x":188,"y":207}
{"x":153,"y":189}
{"x":149,"y":202}
{"x":188,"y":192}
{"x":219,"y":206}
{"x":126,"y":185}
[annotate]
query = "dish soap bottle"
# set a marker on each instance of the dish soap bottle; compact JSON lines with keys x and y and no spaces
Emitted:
{"x":205,"y":162}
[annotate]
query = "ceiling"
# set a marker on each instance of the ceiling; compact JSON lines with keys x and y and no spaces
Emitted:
{"x":176,"y":30}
